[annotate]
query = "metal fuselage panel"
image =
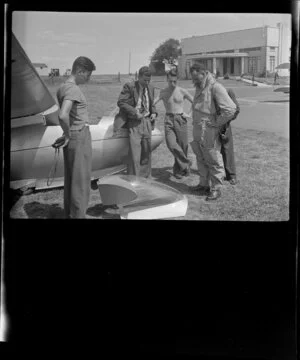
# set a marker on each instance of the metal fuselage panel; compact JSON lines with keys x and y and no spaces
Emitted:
{"x":32,"y":155}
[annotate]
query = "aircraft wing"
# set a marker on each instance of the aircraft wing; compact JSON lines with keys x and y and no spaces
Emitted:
{"x":29,"y":94}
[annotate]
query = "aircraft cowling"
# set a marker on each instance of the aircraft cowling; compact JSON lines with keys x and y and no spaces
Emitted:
{"x":29,"y":94}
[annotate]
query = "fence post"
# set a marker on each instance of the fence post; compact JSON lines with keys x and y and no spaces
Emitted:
{"x":119,"y":77}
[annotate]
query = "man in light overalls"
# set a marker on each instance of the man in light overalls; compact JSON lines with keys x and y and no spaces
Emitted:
{"x":206,"y":125}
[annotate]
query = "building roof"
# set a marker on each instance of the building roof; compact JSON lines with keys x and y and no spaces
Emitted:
{"x":216,"y":55}
{"x":227,"y":32}
{"x":40,"y":65}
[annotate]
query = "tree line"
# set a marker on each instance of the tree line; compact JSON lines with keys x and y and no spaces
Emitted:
{"x":166,"y":53}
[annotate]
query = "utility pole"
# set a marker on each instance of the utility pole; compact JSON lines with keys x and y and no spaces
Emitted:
{"x":129,"y":62}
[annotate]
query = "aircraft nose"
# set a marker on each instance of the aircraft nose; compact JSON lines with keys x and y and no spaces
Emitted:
{"x":157,"y":138}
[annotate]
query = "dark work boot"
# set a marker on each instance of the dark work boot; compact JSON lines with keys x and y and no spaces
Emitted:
{"x":200,"y":188}
{"x":232,"y":181}
{"x":213,"y":195}
{"x":187,"y":171}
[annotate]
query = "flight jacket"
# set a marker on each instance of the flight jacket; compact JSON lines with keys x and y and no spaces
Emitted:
{"x":204,"y":108}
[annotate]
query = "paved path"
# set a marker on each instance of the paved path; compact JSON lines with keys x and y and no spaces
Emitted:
{"x":269,"y":116}
{"x":257,"y":83}
{"x":261,"y":108}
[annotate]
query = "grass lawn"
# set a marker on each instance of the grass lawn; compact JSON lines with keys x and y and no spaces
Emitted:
{"x":262,"y":162}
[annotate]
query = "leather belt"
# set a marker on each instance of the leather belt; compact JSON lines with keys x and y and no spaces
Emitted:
{"x":85,"y":125}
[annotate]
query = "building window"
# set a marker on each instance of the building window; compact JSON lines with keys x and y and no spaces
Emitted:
{"x":272,"y":63}
{"x":252,"y":65}
{"x":272,"y":48}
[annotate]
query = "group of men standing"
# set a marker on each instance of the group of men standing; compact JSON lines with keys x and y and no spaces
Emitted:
{"x":212,"y":110}
{"x":213,"y":107}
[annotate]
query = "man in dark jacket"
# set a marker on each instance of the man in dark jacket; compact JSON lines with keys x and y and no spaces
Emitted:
{"x":227,"y":149}
{"x":138,"y":112}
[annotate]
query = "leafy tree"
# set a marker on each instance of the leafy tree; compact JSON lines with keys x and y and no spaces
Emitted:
{"x":167,"y":52}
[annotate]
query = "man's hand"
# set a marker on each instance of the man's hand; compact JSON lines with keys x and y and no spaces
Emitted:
{"x":61,"y":142}
{"x":185,"y":115}
{"x":152,"y":120}
{"x":66,"y":142}
{"x":139,"y":116}
{"x":211,"y":125}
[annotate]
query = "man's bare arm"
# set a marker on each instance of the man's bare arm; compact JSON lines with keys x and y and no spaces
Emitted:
{"x":187,"y":96}
{"x":64,"y":118}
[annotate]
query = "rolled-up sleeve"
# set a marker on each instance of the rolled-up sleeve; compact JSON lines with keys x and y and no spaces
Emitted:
{"x":226,"y":105}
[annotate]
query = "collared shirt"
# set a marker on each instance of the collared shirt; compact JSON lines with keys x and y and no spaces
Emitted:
{"x":139,"y":107}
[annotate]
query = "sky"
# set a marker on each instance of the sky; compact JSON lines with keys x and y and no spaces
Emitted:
{"x":110,"y":39}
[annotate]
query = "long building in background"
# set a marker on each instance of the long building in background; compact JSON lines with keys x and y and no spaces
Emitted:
{"x":257,"y":50}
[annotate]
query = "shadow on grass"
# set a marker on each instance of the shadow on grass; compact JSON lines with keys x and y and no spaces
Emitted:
{"x":13,"y":197}
{"x":165,"y":176}
{"x":103,"y":212}
{"x":37,"y":210}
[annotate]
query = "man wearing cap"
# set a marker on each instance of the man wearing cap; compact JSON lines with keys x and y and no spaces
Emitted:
{"x":77,"y":143}
{"x":136,"y":104}
{"x":176,"y":134}
{"x":206,"y":126}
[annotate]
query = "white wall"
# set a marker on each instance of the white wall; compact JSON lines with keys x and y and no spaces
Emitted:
{"x":285,"y":46}
{"x":272,"y":36}
{"x":280,"y":38}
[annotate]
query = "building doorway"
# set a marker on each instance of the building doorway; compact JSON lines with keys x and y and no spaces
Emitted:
{"x":224,"y":66}
{"x":232,"y":66}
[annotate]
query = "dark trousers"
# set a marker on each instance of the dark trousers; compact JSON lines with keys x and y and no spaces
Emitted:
{"x":139,"y":155}
{"x":77,"y":173}
{"x":227,"y":152}
{"x":177,"y":141}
